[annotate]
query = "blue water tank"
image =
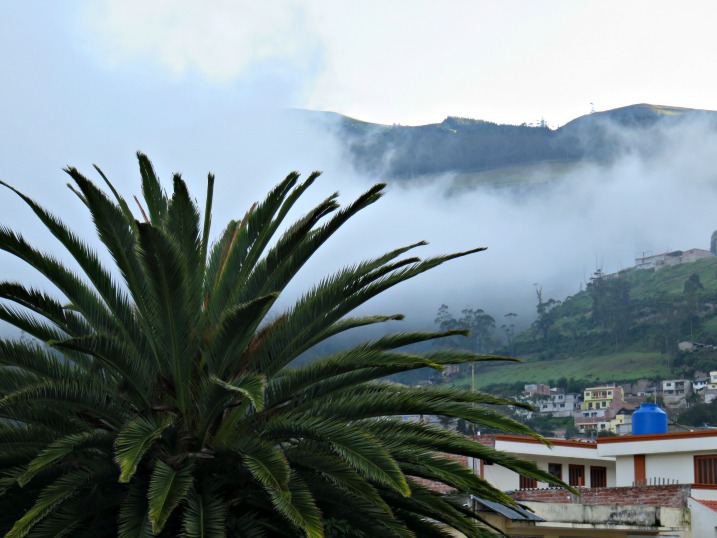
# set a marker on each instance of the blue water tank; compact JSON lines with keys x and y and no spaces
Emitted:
{"x":649,"y":419}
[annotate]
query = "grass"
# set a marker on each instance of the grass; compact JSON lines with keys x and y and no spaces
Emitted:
{"x":625,"y":366}
{"x":515,"y":174}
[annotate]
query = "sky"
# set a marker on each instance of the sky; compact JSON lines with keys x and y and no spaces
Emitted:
{"x":203,"y":86}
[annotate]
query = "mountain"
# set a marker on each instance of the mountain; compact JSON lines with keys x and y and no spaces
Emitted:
{"x":624,"y":326}
{"x":482,"y":152}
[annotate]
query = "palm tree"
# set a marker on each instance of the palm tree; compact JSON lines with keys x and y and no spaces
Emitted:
{"x":160,"y":397}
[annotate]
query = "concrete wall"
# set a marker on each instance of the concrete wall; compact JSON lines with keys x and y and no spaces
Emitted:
{"x":704,"y":520}
{"x":624,"y":471}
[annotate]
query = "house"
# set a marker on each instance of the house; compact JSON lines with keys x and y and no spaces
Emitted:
{"x":676,"y":257}
{"x":713,"y":380}
{"x":559,"y":405}
{"x":599,"y":408}
{"x":637,"y":485}
{"x":537,"y":388}
{"x":699,"y":384}
{"x":710,"y":392}
{"x":575,"y":462}
{"x":603,"y":398}
{"x":676,"y":391}
{"x":622,"y":423}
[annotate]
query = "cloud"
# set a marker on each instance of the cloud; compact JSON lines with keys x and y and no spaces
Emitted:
{"x":219,"y":40}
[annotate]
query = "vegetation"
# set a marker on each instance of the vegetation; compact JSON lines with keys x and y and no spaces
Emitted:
{"x":623,"y":327}
{"x":699,"y":415}
{"x":161,"y":396}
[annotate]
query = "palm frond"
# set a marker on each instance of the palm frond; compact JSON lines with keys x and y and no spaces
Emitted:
{"x":132,"y":442}
{"x":152,"y":191}
{"x":167,"y":488}
{"x":204,"y":517}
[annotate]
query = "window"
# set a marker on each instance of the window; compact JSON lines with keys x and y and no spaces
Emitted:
{"x":576,"y":475}
{"x":706,"y":469}
{"x":598,"y":477}
{"x":556,"y":469}
{"x":527,"y":483}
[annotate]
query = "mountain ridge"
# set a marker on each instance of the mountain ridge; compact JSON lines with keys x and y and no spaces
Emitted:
{"x":476,"y":148}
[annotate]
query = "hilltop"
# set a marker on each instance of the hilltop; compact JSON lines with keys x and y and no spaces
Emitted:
{"x":485,"y":153}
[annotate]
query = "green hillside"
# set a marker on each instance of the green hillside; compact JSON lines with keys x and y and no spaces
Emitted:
{"x":623,"y":327}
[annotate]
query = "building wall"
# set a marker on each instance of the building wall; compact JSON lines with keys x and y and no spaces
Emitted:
{"x":703,"y":520}
{"x":507,"y":480}
{"x":624,"y":472}
{"x":679,"y":467}
{"x":667,"y":456}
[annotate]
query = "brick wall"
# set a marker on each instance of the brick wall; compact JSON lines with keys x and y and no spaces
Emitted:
{"x":439,"y":486}
{"x":673,"y":495}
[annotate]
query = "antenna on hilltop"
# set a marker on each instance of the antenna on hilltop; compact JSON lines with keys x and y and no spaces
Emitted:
{"x":592,"y":108}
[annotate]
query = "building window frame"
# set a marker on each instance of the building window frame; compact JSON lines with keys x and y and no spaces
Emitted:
{"x":576,"y":475}
{"x":598,"y":476}
{"x":706,"y":469}
{"x":526,"y":482}
{"x":556,"y":469}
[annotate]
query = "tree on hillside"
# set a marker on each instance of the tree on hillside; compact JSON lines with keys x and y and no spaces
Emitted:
{"x":479,"y":324}
{"x":692,"y":290}
{"x":509,"y":330}
{"x":666,"y":330}
{"x":611,"y":308}
{"x":546,"y":315}
{"x":158,"y":396}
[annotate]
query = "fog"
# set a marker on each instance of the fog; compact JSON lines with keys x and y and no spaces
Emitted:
{"x":658,"y":195}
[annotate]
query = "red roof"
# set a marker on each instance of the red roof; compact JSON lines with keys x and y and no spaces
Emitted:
{"x":657,"y":436}
{"x":712,"y":505}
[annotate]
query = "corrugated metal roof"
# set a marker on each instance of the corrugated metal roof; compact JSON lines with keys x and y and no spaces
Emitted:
{"x":514,"y":513}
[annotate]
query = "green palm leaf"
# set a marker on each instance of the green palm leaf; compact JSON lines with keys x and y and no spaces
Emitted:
{"x":61,"y":448}
{"x":59,"y":491}
{"x":133,"y":441}
{"x":204,"y":517}
{"x":167,"y":488}
{"x":249,"y":385}
{"x":133,"y":519}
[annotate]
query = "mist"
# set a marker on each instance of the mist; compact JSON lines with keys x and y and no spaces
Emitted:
{"x":70,"y":110}
{"x":657,"y":195}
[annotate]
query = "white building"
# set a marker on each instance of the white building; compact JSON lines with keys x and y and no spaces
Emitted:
{"x":575,"y":462}
{"x":699,"y":384}
{"x":676,"y":257}
{"x":642,"y":485}
{"x":559,"y":405}
{"x":676,"y":391}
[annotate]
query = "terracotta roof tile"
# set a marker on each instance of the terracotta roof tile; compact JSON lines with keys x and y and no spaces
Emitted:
{"x":712,"y":505}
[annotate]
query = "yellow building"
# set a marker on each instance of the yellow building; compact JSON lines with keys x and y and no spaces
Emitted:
{"x":601,"y":397}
